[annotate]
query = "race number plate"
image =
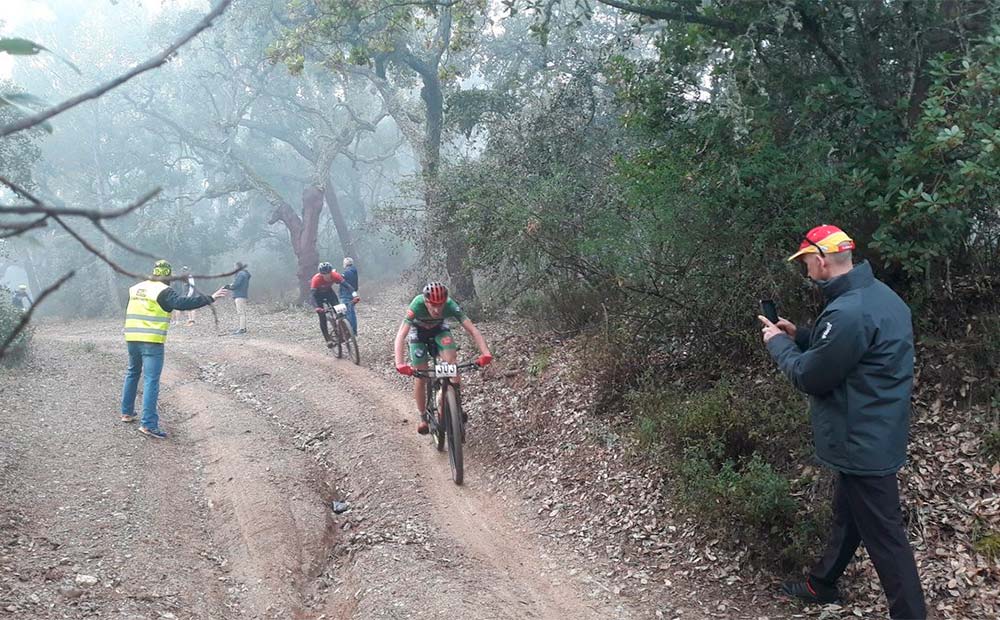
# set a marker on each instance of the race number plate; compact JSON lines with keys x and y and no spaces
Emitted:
{"x":446,"y":370}
{"x":340,"y":308}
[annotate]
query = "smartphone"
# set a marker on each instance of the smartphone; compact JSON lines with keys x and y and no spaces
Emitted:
{"x":768,"y":309}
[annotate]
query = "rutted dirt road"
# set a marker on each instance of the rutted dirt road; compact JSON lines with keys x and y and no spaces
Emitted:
{"x":230,"y":517}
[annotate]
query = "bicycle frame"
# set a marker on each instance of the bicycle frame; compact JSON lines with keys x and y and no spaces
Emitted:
{"x":336,"y":315}
{"x":334,"y":312}
{"x":452,"y":425}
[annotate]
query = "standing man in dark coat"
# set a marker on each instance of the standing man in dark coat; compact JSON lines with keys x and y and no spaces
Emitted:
{"x":240,"y":288}
{"x":856,"y":365}
{"x":348,"y":291}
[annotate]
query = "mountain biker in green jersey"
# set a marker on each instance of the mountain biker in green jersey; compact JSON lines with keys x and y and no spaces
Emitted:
{"x":429,"y":319}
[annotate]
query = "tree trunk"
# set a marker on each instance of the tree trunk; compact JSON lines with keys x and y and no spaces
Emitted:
{"x":302,"y":234}
{"x":455,"y":248}
{"x":343,"y":233}
{"x":955,"y":14}
{"x":305,"y":250}
{"x":457,"y":259}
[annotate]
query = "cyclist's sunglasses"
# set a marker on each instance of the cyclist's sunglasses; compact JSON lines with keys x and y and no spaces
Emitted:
{"x":815,"y":245}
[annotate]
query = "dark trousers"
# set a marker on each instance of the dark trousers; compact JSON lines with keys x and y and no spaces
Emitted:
{"x":866,"y":509}
{"x":324,"y":298}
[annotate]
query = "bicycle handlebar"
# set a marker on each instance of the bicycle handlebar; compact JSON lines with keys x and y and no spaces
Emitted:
{"x":430,"y":374}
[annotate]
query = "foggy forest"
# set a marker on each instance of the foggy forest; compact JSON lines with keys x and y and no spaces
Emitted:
{"x":500,"y":309}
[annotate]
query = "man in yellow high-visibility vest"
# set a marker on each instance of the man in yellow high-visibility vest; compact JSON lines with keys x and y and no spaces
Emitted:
{"x":147,"y":319}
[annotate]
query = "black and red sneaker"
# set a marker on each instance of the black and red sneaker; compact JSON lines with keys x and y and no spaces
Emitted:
{"x":423,"y":428}
{"x":814,"y":593}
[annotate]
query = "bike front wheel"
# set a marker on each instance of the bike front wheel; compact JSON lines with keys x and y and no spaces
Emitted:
{"x":338,"y":339}
{"x":453,"y":424}
{"x":439,"y":441}
{"x":350,"y":342}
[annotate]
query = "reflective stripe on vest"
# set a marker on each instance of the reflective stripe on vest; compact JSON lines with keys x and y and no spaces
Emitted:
{"x":145,"y":320}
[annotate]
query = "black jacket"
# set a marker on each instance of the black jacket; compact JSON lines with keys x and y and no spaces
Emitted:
{"x":856,"y":365}
{"x":170,"y":300}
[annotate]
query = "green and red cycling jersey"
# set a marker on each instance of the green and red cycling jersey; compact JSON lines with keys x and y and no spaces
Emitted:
{"x":418,"y":316}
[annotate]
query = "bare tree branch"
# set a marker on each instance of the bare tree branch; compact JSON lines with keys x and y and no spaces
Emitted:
{"x":94,"y":93}
{"x":99,"y":226}
{"x":17,"y":229}
{"x":114,"y":266}
{"x":672,"y":14}
{"x":40,"y":208}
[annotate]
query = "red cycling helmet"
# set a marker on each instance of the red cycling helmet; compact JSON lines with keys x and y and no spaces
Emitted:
{"x":435,"y":293}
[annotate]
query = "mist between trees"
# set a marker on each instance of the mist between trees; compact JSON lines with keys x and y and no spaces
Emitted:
{"x":642,"y":170}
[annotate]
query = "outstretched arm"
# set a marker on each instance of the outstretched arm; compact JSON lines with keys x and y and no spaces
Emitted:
{"x":404,"y":331}
{"x":485,"y":357}
{"x":170,"y":300}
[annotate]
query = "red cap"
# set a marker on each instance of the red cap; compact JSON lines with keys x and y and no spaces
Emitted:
{"x":828,"y":238}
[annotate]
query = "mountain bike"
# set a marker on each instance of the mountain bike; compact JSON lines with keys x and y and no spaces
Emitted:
{"x":345,"y":342}
{"x":447,"y":426}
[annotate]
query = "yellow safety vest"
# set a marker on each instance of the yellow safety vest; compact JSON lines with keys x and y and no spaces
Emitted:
{"x":145,"y":320}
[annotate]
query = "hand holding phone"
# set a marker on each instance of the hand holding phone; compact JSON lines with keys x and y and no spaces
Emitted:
{"x":769,"y":310}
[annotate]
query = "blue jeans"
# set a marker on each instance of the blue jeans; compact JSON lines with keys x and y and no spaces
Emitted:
{"x":145,"y":358}
{"x":352,"y":317}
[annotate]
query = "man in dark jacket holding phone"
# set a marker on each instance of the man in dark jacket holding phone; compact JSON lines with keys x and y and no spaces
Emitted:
{"x":856,"y":365}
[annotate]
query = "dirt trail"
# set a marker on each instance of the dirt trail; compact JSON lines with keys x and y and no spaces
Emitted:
{"x":230,"y":516}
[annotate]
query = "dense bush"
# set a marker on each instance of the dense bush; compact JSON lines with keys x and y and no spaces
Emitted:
{"x":678,"y":211}
{"x":734,"y":448}
{"x":668,"y":191}
{"x":10,"y":316}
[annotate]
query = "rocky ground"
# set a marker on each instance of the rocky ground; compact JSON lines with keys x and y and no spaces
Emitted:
{"x":231,"y":516}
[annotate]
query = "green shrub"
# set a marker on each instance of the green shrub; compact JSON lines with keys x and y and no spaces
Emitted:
{"x":10,"y":316}
{"x":991,"y":446}
{"x":988,"y":544}
{"x":541,"y":361}
{"x":733,"y":448}
{"x":749,"y":494}
{"x":806,"y":535}
{"x":733,"y":420}
{"x":563,"y":307}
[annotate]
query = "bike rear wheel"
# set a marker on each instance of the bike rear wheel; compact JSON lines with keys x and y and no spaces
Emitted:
{"x":331,"y":329}
{"x":350,"y":342}
{"x":453,"y":422}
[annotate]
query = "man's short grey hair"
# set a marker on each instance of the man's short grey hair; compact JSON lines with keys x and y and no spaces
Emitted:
{"x":840,"y":258}
{"x":348,"y":261}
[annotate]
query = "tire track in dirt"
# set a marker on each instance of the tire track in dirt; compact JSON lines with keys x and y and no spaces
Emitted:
{"x":413,"y":544}
{"x":262,"y":495}
{"x":495,"y":549}
{"x":266,"y":531}
{"x":98,"y":499}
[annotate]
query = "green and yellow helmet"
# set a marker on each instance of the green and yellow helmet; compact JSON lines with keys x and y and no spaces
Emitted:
{"x":162,"y":268}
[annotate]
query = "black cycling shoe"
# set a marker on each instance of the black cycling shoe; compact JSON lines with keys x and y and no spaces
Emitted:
{"x":809,"y":592}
